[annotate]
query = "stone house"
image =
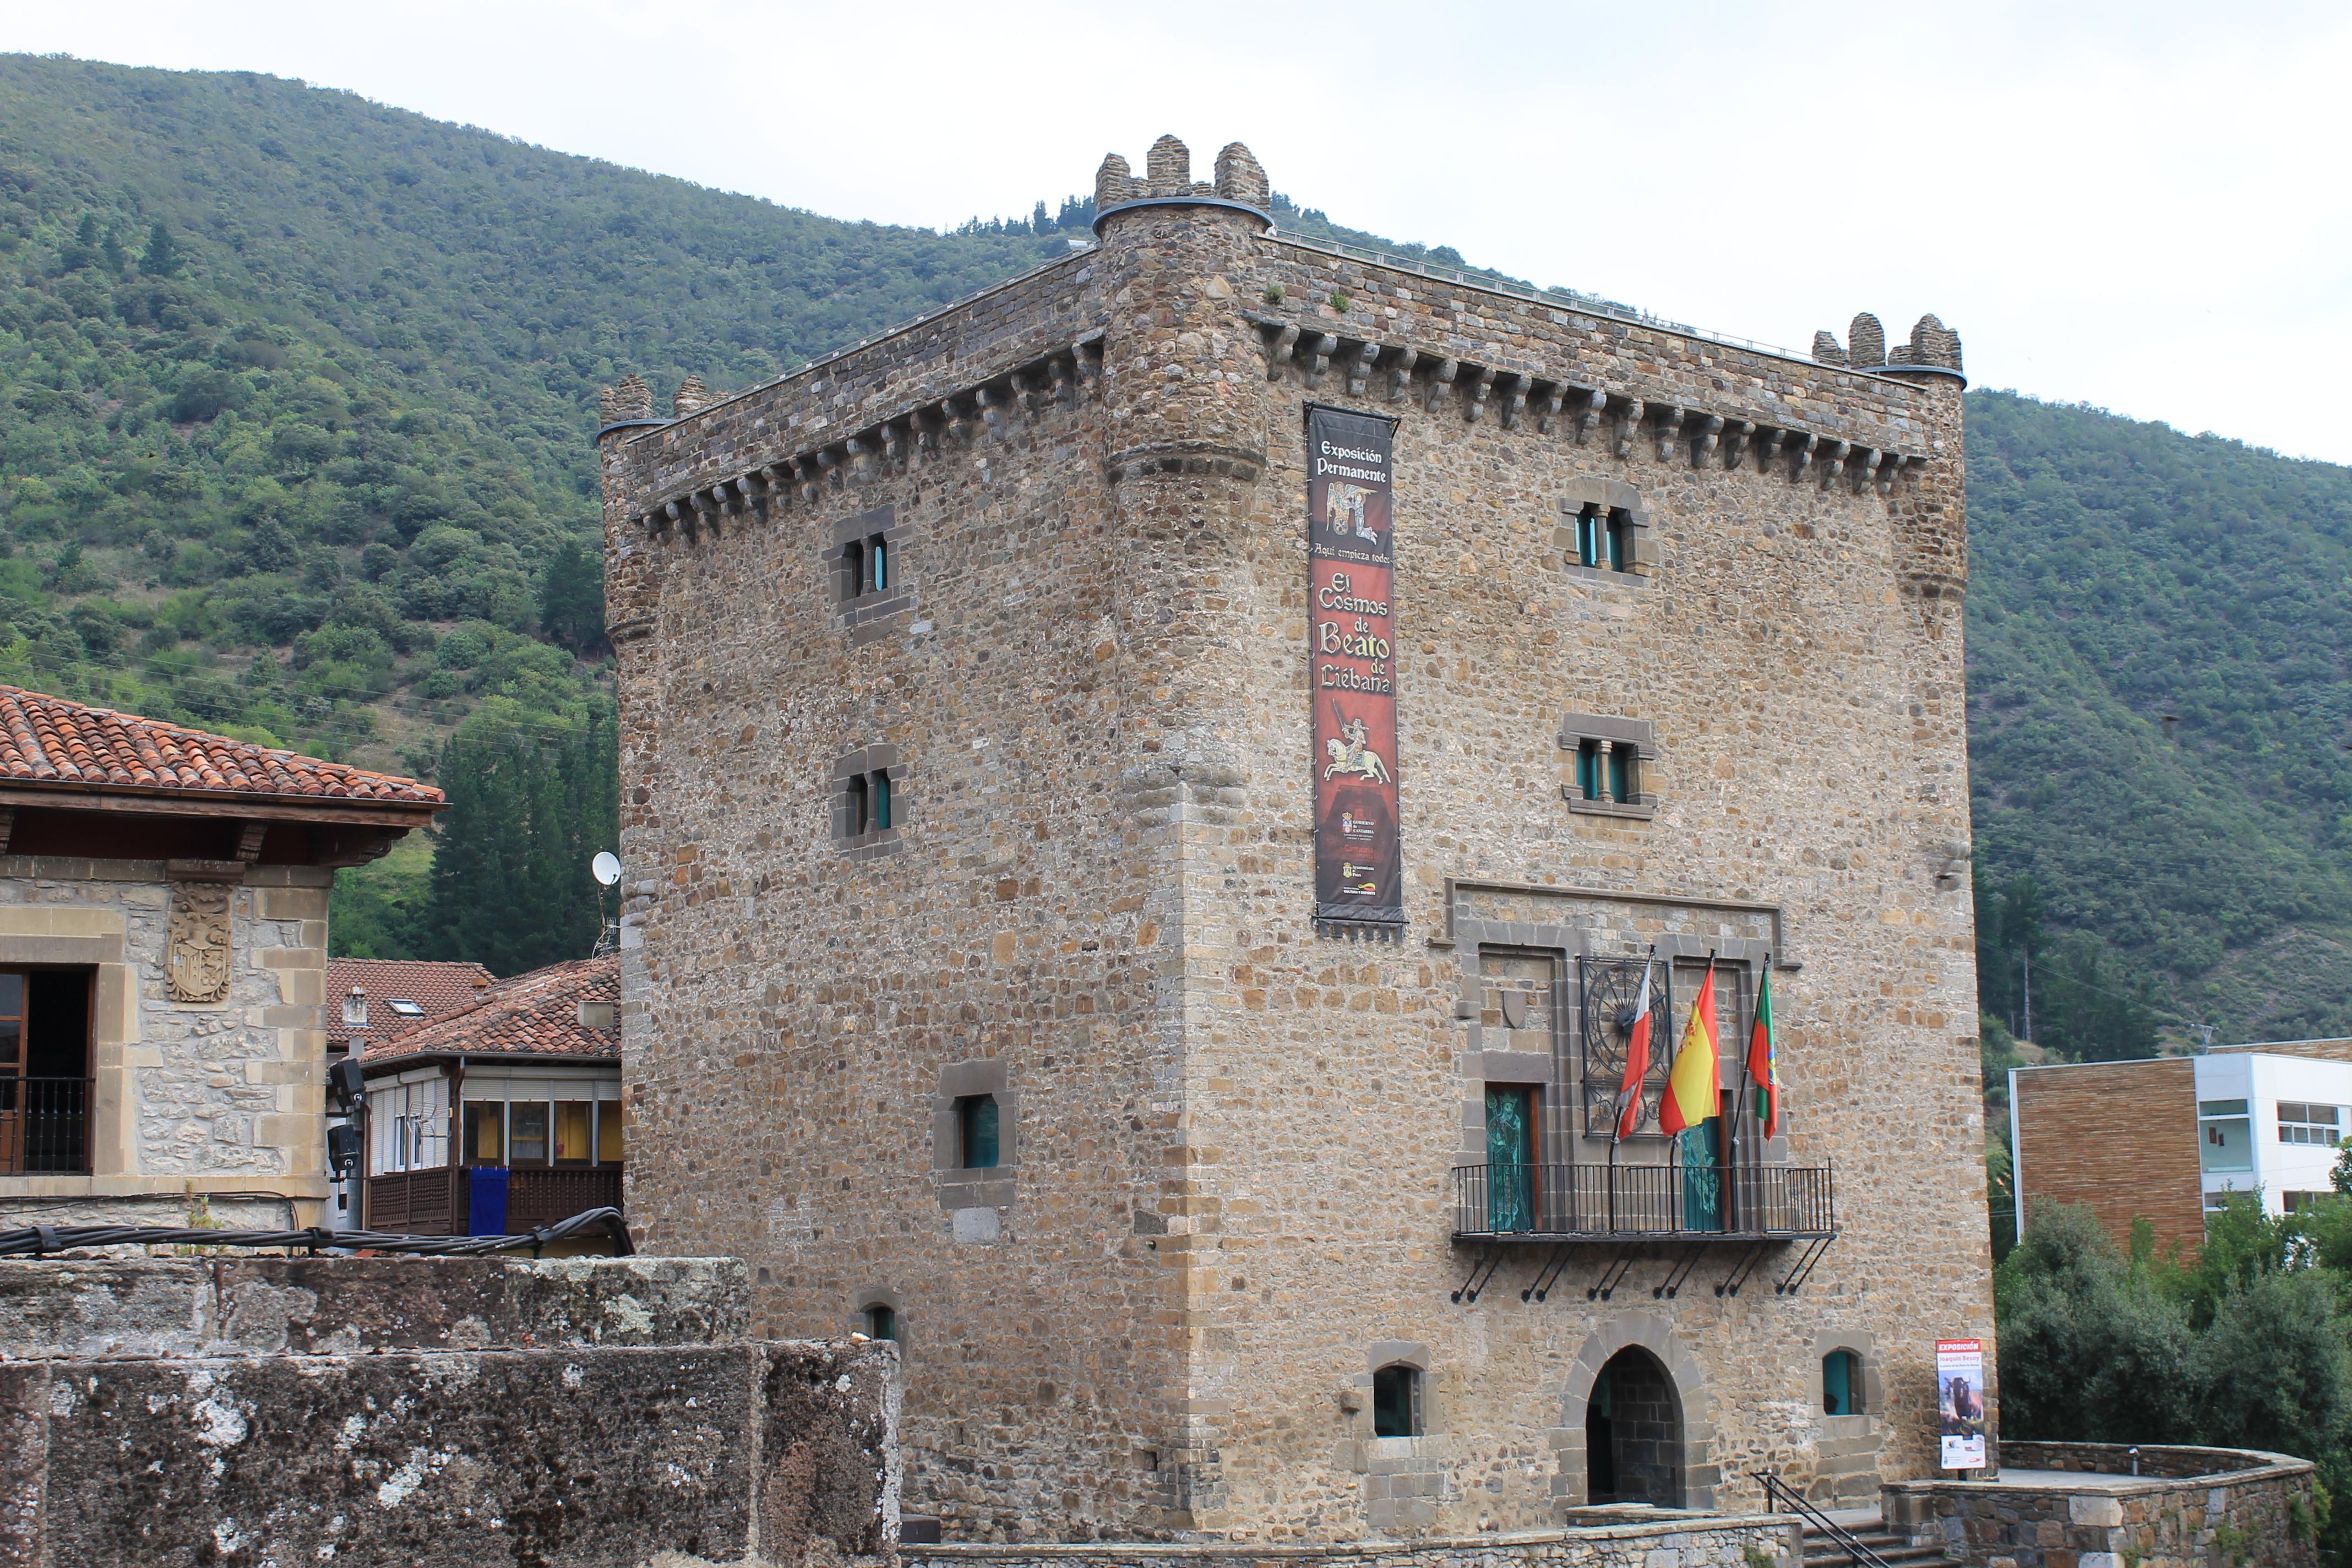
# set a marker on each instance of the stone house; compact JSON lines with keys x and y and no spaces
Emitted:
{"x":519,"y":1088}
{"x":164,"y":964}
{"x":1151,"y":797}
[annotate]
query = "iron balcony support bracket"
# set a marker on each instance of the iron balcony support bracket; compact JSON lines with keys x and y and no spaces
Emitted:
{"x":1795,"y":1278}
{"x":1547,"y":1276}
{"x":1677,"y":1276}
{"x":1739,"y":1276}
{"x":1481,"y":1273}
{"x":1612,"y":1275}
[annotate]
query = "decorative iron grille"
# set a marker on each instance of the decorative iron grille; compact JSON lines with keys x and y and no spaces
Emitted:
{"x":1610,"y":988}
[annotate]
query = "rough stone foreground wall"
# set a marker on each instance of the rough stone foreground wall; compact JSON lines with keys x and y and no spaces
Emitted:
{"x":445,"y":1411}
{"x":1670,"y":1543}
{"x":2198,"y":1507}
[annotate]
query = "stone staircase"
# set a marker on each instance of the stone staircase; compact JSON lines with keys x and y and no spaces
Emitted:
{"x":1823,"y":1552}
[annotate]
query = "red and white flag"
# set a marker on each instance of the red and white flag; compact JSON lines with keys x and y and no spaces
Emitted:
{"x":1637,"y":1062}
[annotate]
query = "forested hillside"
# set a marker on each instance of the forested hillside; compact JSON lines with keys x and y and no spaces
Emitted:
{"x":295,"y":393}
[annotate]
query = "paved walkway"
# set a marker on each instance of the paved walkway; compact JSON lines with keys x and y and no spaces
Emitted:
{"x":2069,"y":1480}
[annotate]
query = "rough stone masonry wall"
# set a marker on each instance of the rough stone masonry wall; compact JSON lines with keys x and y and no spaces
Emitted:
{"x":225,"y":1101}
{"x":794,"y":1012}
{"x":1228,"y":1197}
{"x":2200,"y":1508}
{"x":1660,"y":1544}
{"x":442,"y":1413}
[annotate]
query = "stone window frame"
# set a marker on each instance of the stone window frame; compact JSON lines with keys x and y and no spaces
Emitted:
{"x":1851,"y":1448}
{"x":994,"y":1187}
{"x":862,"y":764}
{"x":1638,"y":734}
{"x":879,"y":1296}
{"x":1479,"y":1066}
{"x":865,"y":614}
{"x":1640,"y":541}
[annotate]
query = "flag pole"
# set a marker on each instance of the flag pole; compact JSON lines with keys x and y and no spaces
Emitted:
{"x":1740,"y":1108}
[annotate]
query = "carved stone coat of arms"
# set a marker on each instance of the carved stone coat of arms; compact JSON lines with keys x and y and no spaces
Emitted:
{"x":197,"y":947}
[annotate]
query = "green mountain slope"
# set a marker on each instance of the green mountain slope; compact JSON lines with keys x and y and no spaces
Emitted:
{"x":294,"y":398}
{"x":2121,"y":572}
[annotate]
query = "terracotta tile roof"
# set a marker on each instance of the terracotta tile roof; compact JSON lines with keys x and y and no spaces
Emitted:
{"x":49,"y":740}
{"x":435,"y":988}
{"x":533,"y":1014}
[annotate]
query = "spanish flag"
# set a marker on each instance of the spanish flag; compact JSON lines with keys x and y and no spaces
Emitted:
{"x":1690,"y":1089}
{"x":1764,"y":1058}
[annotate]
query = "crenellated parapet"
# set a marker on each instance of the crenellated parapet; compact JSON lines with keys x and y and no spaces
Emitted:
{"x":1932,"y":348}
{"x":1167,"y":176}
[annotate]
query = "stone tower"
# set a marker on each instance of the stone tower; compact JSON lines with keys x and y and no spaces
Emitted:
{"x":1003,"y":742}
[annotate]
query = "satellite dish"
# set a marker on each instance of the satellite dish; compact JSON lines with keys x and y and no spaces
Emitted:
{"x":607,"y":867}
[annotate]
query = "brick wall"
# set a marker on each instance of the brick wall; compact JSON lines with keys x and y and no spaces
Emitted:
{"x":2120,"y":1137}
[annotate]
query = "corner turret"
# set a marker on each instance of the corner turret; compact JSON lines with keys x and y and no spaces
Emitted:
{"x":1241,"y":183}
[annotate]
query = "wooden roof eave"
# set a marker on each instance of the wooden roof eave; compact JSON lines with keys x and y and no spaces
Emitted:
{"x":154,"y":801}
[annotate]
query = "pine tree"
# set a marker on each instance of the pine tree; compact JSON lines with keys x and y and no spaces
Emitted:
{"x":572,"y":598}
{"x":162,"y":257}
{"x":511,"y":887}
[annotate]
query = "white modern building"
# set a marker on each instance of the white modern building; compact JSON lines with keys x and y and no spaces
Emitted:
{"x":2263,"y":1119}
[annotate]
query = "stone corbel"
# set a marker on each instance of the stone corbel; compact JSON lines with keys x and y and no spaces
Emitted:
{"x":1441,"y":382}
{"x":1802,"y":456}
{"x":958,"y":423}
{"x":1670,"y":430}
{"x":893,"y":446}
{"x":1833,"y":462}
{"x":1590,"y":420}
{"x":1400,"y":373}
{"x":1741,"y":434}
{"x":1553,"y":400}
{"x":1479,"y":387}
{"x":991,"y":407}
{"x":1359,"y":368}
{"x":1865,"y":472}
{"x":673,"y":517}
{"x":249,"y":836}
{"x":1897,"y":466}
{"x":1022,"y":391}
{"x":1324,"y":348}
{"x":1628,"y":425}
{"x":1515,"y":397}
{"x":1086,"y":364}
{"x":725,"y":499}
{"x":1063,"y":377}
{"x":860,"y":449}
{"x":1710,"y":432}
{"x":1277,"y":352}
{"x":807,"y":473}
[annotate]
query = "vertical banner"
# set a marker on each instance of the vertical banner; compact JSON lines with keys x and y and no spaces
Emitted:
{"x":1960,"y":1403}
{"x":1351,"y":659}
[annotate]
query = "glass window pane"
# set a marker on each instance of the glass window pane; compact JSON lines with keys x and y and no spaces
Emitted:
{"x":572,"y":1131}
{"x":484,"y":1132}
{"x":12,"y":996}
{"x":979,"y":1129}
{"x":879,"y":549}
{"x":2220,"y":1108}
{"x":881,"y":800}
{"x":12,"y":1043}
{"x":608,"y":1131}
{"x":527,"y":1134}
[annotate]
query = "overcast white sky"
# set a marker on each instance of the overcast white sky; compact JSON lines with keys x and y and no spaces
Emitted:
{"x":2141,"y":205}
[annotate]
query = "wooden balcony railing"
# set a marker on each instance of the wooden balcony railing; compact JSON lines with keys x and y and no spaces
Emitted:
{"x":435,"y":1201}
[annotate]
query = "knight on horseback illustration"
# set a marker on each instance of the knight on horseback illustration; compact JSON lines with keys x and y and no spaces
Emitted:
{"x":1352,"y":754}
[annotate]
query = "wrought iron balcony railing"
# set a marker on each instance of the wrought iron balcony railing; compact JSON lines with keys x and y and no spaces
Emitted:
{"x":1625,"y":1203}
{"x":44,"y":1126}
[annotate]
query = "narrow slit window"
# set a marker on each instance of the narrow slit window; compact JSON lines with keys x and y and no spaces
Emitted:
{"x":1396,"y":1401}
{"x":1621,"y":774}
{"x":1601,"y":537}
{"x":976,"y":1129}
{"x":879,"y":793}
{"x":853,"y":570}
{"x":877,"y":564}
{"x":858,"y":808}
{"x":881,"y":1322}
{"x":1588,"y":776}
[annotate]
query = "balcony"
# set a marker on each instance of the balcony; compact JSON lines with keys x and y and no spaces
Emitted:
{"x":433,"y":1202}
{"x":44,"y":1126}
{"x":1556,"y":1203}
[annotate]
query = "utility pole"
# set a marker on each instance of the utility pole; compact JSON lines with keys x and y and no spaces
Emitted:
{"x":2026,"y":955}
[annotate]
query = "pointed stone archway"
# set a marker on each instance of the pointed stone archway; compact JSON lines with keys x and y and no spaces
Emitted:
{"x":1667,"y":1440}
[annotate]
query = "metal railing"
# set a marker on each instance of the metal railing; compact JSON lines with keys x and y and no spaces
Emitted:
{"x":1779,"y":1495}
{"x":44,"y":1126}
{"x":1560,"y":1201}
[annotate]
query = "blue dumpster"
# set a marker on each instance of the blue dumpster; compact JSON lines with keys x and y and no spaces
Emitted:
{"x":486,"y":1197}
